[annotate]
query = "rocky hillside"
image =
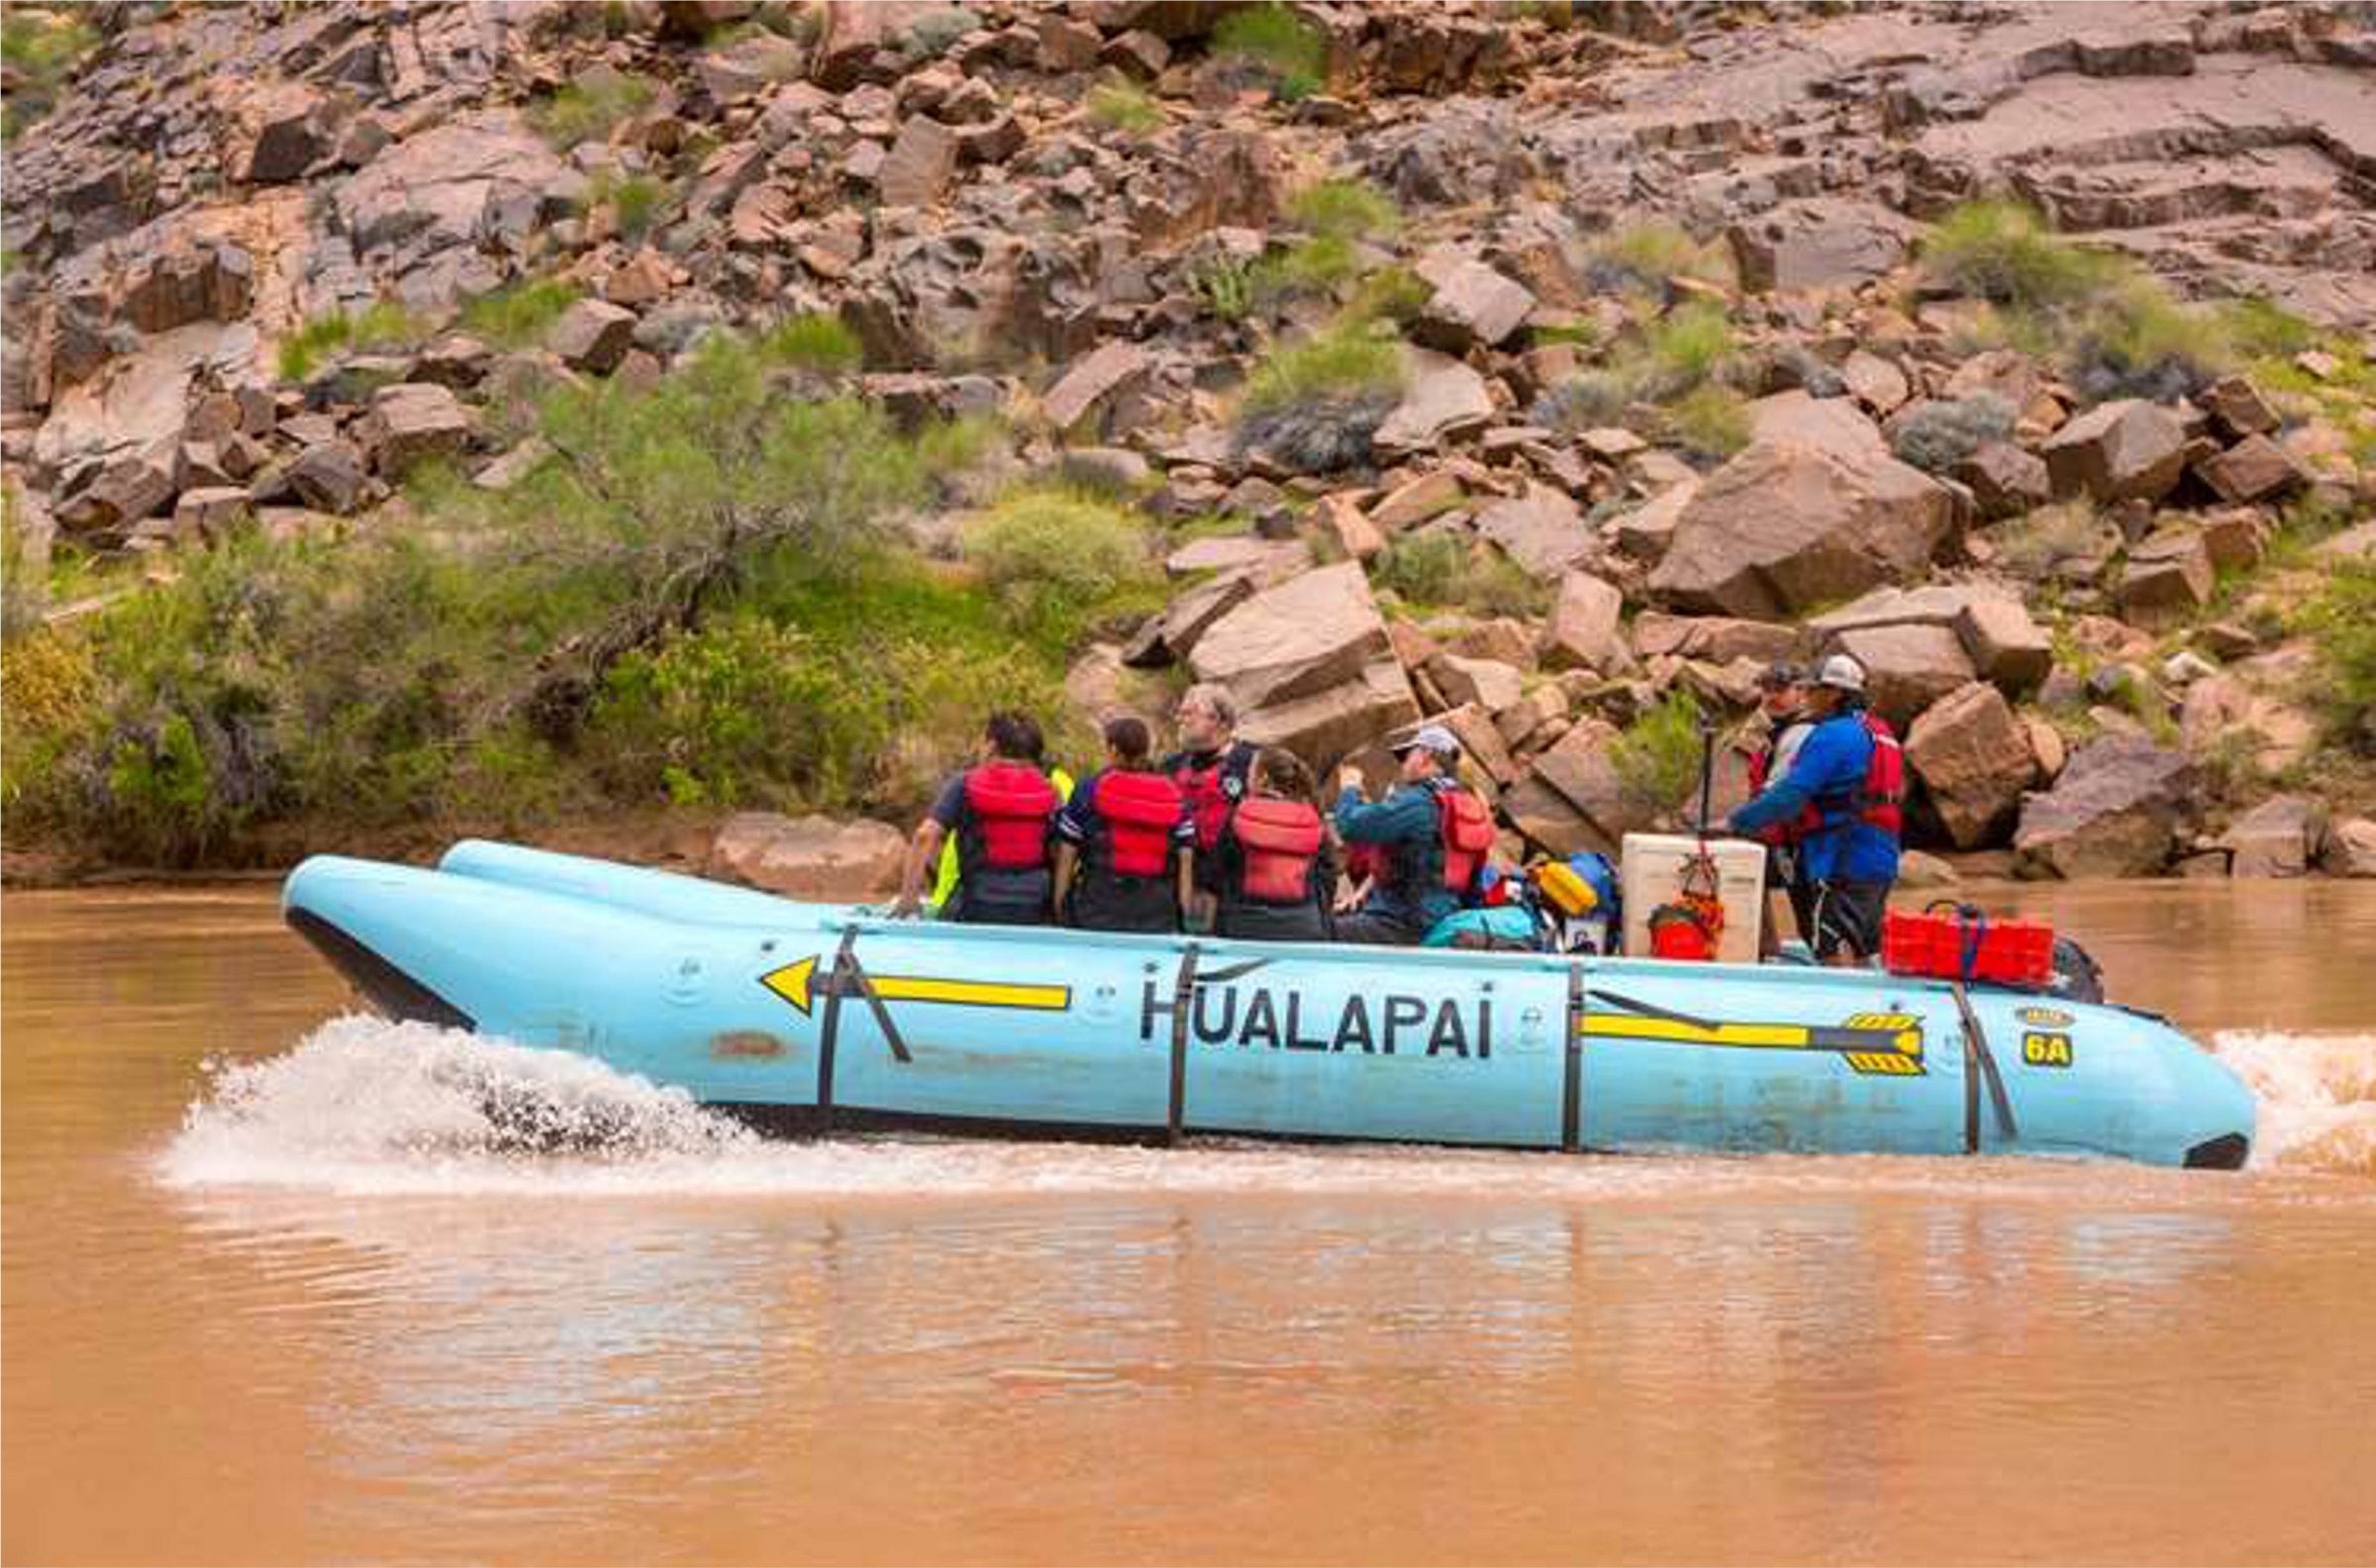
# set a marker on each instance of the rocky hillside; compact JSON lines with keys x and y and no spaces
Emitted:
{"x":1544,"y":368}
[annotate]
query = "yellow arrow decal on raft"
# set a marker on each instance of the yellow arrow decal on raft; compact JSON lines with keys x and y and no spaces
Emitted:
{"x":797,"y":984}
{"x":1886,"y":1044}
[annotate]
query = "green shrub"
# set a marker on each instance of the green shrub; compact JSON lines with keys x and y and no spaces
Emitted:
{"x":1317,"y":266}
{"x":1054,"y":557}
{"x":1588,"y":400}
{"x":1347,"y":362}
{"x":2136,"y":341}
{"x":637,"y":201}
{"x":1120,"y":105}
{"x":2343,"y":621}
{"x":1391,"y":294}
{"x":816,"y":343}
{"x":2006,"y":253}
{"x":40,"y":46}
{"x":1685,"y":347}
{"x":1936,"y":436}
{"x":1657,"y":758}
{"x":590,"y":107}
{"x":2262,"y":329}
{"x":1348,"y":209}
{"x":382,"y":325}
{"x":1276,"y":42}
{"x":518,"y":315}
{"x":1226,"y":284}
{"x":1709,"y":423}
{"x":1442,"y":570}
{"x":1646,"y":259}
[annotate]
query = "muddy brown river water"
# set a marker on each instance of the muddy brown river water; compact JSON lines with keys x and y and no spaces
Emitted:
{"x":270,"y":1296}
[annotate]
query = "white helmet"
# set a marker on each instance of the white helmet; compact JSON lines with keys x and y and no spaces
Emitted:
{"x":1841,"y":673}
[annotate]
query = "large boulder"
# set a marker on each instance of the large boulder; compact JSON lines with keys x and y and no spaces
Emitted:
{"x":1542,"y":531}
{"x":1579,"y":770}
{"x":1781,"y":528}
{"x":1714,"y":640}
{"x":1472,"y":305}
{"x":2282,"y":837}
{"x":1907,"y":668}
{"x":918,"y":170}
{"x":2255,"y":468}
{"x":1309,"y":634}
{"x":1327,"y":726}
{"x":1095,"y":383}
{"x":2124,"y":451}
{"x":1973,"y":757}
{"x":1818,"y":242}
{"x":2351,"y":849}
{"x":1997,"y":633}
{"x":808,"y":857}
{"x":438,"y":200}
{"x":2166,"y":578}
{"x":411,"y":421}
{"x":329,"y":476}
{"x":1584,"y":631}
{"x":593,"y":336}
{"x":2117,"y":810}
{"x":1443,"y":398}
{"x":282,"y":131}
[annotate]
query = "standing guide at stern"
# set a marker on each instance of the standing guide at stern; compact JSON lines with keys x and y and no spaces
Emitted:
{"x":1840,"y":804}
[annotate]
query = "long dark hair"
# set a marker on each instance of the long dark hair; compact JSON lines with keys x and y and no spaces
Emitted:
{"x":1283,"y":774}
{"x":1131,"y":742}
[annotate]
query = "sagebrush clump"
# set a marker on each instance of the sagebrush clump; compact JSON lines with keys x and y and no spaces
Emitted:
{"x":1936,"y":436}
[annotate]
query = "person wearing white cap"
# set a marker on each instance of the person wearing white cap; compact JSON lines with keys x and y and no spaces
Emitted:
{"x":1842,"y":803}
{"x":1431,"y":833}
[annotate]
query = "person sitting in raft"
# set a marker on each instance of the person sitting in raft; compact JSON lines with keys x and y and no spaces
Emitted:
{"x":1210,"y":767}
{"x":1276,"y":862}
{"x":1001,"y":812}
{"x":1434,"y":836}
{"x":1841,"y":801}
{"x":1782,"y":696}
{"x":1125,"y":847}
{"x":946,"y":870}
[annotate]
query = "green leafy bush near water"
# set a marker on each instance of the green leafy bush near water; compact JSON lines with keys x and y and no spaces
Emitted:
{"x":2343,"y":621}
{"x":702,"y":598}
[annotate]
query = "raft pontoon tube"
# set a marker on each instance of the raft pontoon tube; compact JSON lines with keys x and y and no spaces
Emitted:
{"x":813,"y":1017}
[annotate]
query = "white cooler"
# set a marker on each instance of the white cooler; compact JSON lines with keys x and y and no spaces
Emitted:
{"x":1650,"y":871}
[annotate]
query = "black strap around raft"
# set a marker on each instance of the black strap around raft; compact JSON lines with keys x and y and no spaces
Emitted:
{"x":1571,"y":1085}
{"x":1980,"y":1063}
{"x":1183,"y":997}
{"x":829,"y":1028}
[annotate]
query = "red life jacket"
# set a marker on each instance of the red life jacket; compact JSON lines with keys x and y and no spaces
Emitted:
{"x":1138,"y":812}
{"x":1010,"y":805}
{"x":1208,"y":789}
{"x":1466,"y":825}
{"x":1880,"y":801}
{"x":1278,"y":841}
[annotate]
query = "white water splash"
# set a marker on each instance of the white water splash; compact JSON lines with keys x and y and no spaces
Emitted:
{"x":365,"y":1107}
{"x":2318,"y":1097}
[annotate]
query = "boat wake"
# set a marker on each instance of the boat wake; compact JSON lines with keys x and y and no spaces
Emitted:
{"x":2318,"y":1097}
{"x":362,"y":1106}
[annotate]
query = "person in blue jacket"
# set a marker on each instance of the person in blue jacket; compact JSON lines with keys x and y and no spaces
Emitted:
{"x":1843,"y":800}
{"x":1410,"y":894}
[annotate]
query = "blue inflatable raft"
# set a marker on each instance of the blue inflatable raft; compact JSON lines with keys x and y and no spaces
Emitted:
{"x":815,"y":1018}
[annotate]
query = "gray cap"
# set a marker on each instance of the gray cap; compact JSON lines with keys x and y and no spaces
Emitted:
{"x":1841,"y":673}
{"x":1776,"y":676}
{"x":1431,"y":738}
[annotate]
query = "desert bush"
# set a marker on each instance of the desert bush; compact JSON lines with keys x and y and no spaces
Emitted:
{"x":1646,"y":259}
{"x":814,"y":342}
{"x":518,"y":315}
{"x":1314,"y":268}
{"x":41,"y":45}
{"x":1443,"y":570}
{"x":1315,"y":405}
{"x":1348,"y":209}
{"x":2006,"y":252}
{"x":637,"y":201}
{"x":590,"y":107}
{"x":2136,"y":341}
{"x":1274,"y":41}
{"x":1227,"y":285}
{"x":1588,"y":400}
{"x":1053,"y":558}
{"x":383,"y":325}
{"x":1392,"y":293}
{"x":2032,"y":546}
{"x":1684,"y":349}
{"x":2342,"y":622}
{"x":2261,"y":328}
{"x":1709,"y":423}
{"x":1657,"y":757}
{"x":1121,"y":105}
{"x":1935,"y":437}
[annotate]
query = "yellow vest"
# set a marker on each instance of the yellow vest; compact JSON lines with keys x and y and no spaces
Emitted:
{"x":945,"y":878}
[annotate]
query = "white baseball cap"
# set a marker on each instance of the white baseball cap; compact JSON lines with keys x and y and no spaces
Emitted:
{"x":1841,"y":673}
